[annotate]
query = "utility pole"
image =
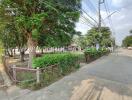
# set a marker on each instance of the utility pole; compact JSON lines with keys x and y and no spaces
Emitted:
{"x":99,"y":8}
{"x":99,"y":23}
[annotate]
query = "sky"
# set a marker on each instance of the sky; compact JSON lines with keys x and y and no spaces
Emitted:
{"x":120,"y":22}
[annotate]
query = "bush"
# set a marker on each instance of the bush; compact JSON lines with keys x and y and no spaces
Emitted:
{"x":92,"y":53}
{"x":103,"y":51}
{"x":65,"y":61}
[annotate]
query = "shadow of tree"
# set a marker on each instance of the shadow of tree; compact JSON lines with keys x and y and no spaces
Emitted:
{"x":98,"y":89}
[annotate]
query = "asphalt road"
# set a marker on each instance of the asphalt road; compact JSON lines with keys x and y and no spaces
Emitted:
{"x":116,"y":67}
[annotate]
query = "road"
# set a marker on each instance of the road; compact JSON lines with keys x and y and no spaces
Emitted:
{"x":108,"y":78}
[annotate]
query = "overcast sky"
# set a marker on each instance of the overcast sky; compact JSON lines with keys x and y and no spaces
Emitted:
{"x":121,"y":20}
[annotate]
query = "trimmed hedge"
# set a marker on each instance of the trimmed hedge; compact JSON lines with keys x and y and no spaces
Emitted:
{"x":92,"y":53}
{"x":65,"y":61}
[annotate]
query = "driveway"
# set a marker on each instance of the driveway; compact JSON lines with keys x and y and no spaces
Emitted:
{"x":108,"y":78}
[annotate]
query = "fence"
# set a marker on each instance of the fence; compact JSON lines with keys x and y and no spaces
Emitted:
{"x":35,"y":73}
{"x":25,"y":74}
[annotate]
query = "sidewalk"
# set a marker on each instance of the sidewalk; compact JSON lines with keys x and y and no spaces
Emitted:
{"x":1,"y":80}
{"x":4,"y":77}
{"x":7,"y":90}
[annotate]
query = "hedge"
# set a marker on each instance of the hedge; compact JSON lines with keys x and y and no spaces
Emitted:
{"x":65,"y":61}
{"x":93,"y":53}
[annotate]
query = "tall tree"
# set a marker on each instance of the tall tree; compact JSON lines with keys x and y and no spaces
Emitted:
{"x":7,"y":37}
{"x":35,"y":17}
{"x":103,"y":37}
{"x":11,"y":39}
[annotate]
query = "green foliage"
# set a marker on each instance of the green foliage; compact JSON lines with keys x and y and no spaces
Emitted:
{"x":66,"y":61}
{"x":53,"y":18}
{"x":1,"y":50}
{"x":127,"y":41}
{"x":103,"y":37}
{"x":11,"y":37}
{"x":94,"y":36}
{"x":81,"y":41}
{"x":93,"y":53}
{"x":26,"y":76}
{"x":35,"y":34}
{"x":7,"y":36}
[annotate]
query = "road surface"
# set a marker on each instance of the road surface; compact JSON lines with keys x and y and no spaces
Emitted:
{"x":108,"y":78}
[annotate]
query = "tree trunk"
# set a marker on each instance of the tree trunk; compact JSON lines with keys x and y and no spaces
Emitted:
{"x":22,"y":53}
{"x":11,"y":50}
{"x":9,"y":53}
{"x":14,"y":52}
{"x":32,"y":50}
{"x":42,"y":51}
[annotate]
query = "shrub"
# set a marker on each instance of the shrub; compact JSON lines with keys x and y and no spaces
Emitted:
{"x":103,"y":51}
{"x":65,"y":61}
{"x":92,"y":53}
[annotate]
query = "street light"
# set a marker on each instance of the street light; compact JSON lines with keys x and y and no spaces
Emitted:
{"x":110,"y":15}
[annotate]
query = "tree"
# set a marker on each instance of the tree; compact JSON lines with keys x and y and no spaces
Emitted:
{"x":11,"y":39}
{"x":127,"y":41}
{"x":7,"y":37}
{"x":21,"y":41}
{"x":81,"y":41}
{"x":103,"y":37}
{"x":53,"y":17}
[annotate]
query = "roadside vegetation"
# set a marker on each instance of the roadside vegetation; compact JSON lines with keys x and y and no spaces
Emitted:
{"x":127,"y":42}
{"x":63,"y":64}
{"x":103,"y":38}
{"x":93,"y":53}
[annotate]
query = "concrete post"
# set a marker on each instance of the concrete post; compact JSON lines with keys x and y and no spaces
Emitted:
{"x":38,"y":75}
{"x":14,"y":73}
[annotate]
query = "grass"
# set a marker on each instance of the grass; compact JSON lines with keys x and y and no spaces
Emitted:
{"x":46,"y":78}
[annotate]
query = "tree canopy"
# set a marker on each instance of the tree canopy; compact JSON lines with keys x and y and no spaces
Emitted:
{"x":103,"y":37}
{"x":42,"y":22}
{"x":54,"y":18}
{"x":127,"y":41}
{"x":93,"y":36}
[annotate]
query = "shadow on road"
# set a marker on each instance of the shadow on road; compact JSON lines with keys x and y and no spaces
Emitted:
{"x":98,"y":89}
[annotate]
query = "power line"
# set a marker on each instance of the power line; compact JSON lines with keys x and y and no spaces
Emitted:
{"x":102,"y":21}
{"x":89,"y":19}
{"x":89,"y":16}
{"x":83,"y":22}
{"x":107,"y":12}
{"x":91,"y":5}
{"x":109,"y":17}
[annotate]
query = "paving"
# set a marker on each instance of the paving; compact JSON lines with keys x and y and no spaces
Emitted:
{"x":108,"y":78}
{"x":1,"y":80}
{"x":7,"y":90}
